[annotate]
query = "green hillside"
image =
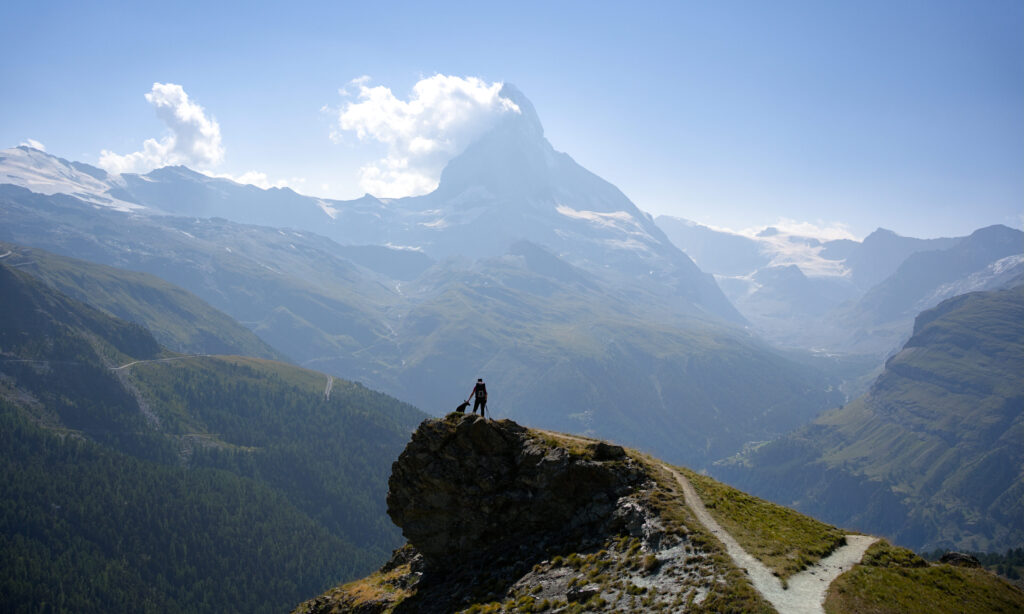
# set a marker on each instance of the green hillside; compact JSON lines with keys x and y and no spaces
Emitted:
{"x":561,"y":347}
{"x":179,"y":483}
{"x":932,"y":455}
{"x":179,"y":320}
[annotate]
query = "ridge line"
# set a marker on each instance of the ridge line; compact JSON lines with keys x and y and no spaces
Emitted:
{"x":805,"y":592}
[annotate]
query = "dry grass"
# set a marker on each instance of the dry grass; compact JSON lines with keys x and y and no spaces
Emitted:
{"x":378,"y":588}
{"x":575,"y":445}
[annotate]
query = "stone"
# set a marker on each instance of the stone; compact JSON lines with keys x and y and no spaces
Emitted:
{"x":465,"y":489}
{"x":605,"y":451}
{"x":960,"y":559}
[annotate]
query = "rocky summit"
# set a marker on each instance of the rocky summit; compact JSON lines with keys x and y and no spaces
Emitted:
{"x":496,"y":512}
{"x":502,"y":518}
{"x":472,"y":490}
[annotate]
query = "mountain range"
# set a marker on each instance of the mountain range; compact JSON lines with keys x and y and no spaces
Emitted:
{"x":522,"y":268}
{"x":844,"y":296}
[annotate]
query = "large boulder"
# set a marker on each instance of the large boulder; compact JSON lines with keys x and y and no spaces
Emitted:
{"x":467,"y":489}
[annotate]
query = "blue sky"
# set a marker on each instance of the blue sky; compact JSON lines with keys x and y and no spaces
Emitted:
{"x":907,"y":115}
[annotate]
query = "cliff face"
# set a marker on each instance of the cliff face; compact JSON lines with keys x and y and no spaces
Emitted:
{"x":471,"y":490}
{"x":497,"y":514}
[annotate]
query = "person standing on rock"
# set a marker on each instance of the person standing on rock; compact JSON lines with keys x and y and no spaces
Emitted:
{"x":479,"y":396}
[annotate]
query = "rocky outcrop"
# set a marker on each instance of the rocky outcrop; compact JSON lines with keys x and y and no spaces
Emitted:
{"x":960,"y":559}
{"x":467,"y":490}
{"x":501,"y":518}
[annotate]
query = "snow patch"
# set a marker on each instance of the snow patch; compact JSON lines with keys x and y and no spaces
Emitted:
{"x":993,"y":276}
{"x":786,"y":249}
{"x":326,"y":207}
{"x":42,"y":173}
{"x":621,"y":221}
{"x":408,"y":248}
{"x":437,"y":224}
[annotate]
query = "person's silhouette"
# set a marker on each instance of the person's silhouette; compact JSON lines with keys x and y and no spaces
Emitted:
{"x":479,"y":396}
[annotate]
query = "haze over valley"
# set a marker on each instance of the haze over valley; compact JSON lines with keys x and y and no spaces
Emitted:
{"x":230,"y":351}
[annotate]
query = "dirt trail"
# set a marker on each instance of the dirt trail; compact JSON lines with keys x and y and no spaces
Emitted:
{"x":806,"y":590}
{"x":138,"y":362}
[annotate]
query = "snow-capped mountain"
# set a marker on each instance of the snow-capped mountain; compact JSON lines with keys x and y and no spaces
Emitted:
{"x":845,"y":295}
{"x":508,"y":186}
{"x":42,"y":173}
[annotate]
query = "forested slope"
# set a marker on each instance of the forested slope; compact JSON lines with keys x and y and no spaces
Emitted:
{"x":177,"y":484}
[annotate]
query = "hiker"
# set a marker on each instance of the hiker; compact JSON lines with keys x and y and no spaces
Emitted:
{"x":479,"y":396}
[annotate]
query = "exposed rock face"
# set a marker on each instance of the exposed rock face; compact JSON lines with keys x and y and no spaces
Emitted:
{"x":467,"y":489}
{"x":960,"y":559}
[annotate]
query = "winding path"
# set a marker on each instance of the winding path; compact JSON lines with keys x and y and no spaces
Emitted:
{"x":137,"y":362}
{"x":806,"y":590}
{"x":327,"y":388}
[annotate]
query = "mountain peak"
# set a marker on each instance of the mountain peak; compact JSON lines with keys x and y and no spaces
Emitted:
{"x":880,"y":234}
{"x":527,"y":117}
{"x":513,"y":157}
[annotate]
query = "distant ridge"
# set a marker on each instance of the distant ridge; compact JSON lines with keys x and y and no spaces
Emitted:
{"x":931,"y":455}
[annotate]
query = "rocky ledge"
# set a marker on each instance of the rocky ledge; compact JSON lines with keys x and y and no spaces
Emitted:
{"x":471,"y":491}
{"x":503,"y":519}
{"x":497,"y":513}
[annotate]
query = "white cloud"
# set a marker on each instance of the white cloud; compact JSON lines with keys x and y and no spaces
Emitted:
{"x":194,"y":138}
{"x":258,"y":179}
{"x":442,"y":116}
{"x":34,"y":144}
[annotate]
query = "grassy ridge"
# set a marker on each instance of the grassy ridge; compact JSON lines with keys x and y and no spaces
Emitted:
{"x":894,"y":580}
{"x":786,"y":541}
{"x":179,"y":320}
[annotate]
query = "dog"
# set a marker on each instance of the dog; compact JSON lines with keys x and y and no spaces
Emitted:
{"x":462,"y":408}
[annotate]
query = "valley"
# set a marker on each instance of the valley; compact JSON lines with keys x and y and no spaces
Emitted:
{"x":184,"y":355}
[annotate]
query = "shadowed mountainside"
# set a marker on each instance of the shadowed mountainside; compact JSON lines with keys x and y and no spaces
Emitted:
{"x":931,"y":455}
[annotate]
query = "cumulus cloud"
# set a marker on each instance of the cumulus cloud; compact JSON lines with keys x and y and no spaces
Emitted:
{"x":193,"y":139}
{"x":260,"y":180}
{"x":34,"y":144}
{"x":442,"y":115}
